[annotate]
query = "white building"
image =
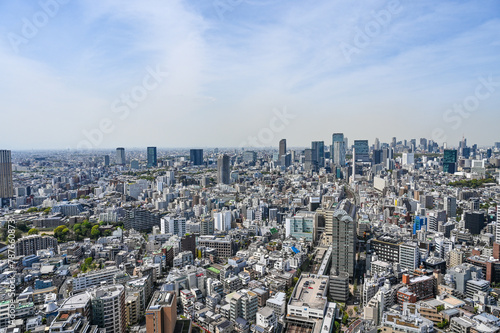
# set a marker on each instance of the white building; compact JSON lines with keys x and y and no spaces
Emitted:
{"x":173,"y":225}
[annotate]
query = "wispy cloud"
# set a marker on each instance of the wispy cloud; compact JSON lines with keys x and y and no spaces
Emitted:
{"x":225,"y":76}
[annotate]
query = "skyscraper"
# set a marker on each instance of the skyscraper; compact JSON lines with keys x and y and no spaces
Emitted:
{"x":196,"y":156}
{"x":106,"y":160}
{"x":310,"y":163}
{"x":6,"y":184}
{"x":318,"y":151}
{"x":223,"y":169}
{"x":450,"y":160}
{"x":337,"y":137}
{"x":340,"y":229}
{"x":282,"y":147}
{"x":152,"y":157}
{"x":339,"y":153}
{"x":120,"y":156}
{"x":360,"y":156}
{"x":450,"y":205}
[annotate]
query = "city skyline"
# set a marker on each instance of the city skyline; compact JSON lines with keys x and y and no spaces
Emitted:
{"x":408,"y":73}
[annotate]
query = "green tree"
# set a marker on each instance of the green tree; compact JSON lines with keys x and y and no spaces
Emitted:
{"x":23,"y":226}
{"x":77,"y":228}
{"x":86,"y":228}
{"x":61,"y":233}
{"x":95,"y":232}
{"x":345,"y":318}
{"x":33,"y":231}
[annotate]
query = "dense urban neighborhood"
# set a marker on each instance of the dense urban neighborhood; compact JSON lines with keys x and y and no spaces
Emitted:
{"x":349,"y":237}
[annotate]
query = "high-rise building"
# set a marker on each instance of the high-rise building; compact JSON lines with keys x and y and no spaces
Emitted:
{"x":282,"y":147}
{"x":120,"y":156}
{"x":108,"y":308}
{"x":207,"y":226}
{"x":450,"y":206}
{"x":161,"y":314}
{"x":152,"y":157}
{"x":340,"y":231}
{"x":196,"y":156}
{"x":378,"y":156}
{"x":106,"y":160}
{"x":301,"y":226}
{"x":339,"y":153}
{"x":249,"y":156}
{"x":6,"y":184}
{"x":409,"y":256}
{"x":474,"y":221}
{"x":318,"y":151}
{"x":361,"y":152}
{"x":360,"y":155}
{"x":341,"y":146}
{"x":376,"y":145}
{"x":310,"y":163}
{"x":223,"y":169}
{"x":450,"y":160}
{"x":173,"y":225}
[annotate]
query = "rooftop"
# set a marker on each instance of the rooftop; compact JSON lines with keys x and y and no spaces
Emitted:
{"x":310,"y":291}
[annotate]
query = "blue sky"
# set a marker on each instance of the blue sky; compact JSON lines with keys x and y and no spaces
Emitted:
{"x":368,"y":69}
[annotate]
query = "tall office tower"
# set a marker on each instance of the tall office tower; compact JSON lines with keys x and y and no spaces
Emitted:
{"x":340,"y":231}
{"x":152,"y":157}
{"x":106,"y":160}
{"x":376,"y":144}
{"x":161,"y":314}
{"x":108,"y":308}
{"x":387,"y":154}
{"x":378,"y":155}
{"x":450,"y":206}
{"x":223,"y":169}
{"x":282,"y":147}
{"x":196,"y":156}
{"x":337,"y":137}
{"x":286,"y":160}
{"x":423,"y":143}
{"x":318,"y":150}
{"x":6,"y":183}
{"x":450,"y":160}
{"x":360,"y":156}
{"x":393,"y":143}
{"x":361,"y":152}
{"x":310,"y":163}
{"x":120,"y":156}
{"x":339,"y":153}
{"x":249,"y":156}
